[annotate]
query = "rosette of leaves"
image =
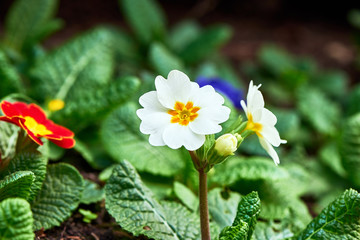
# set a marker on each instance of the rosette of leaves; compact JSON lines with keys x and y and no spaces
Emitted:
{"x":33,"y":194}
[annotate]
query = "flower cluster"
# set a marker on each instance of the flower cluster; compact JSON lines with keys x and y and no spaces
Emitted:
{"x":33,"y":120}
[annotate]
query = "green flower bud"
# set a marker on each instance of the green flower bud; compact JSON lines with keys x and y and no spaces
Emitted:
{"x":226,"y":144}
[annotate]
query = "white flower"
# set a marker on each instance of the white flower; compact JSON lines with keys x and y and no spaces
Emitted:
{"x":262,"y":121}
{"x":180,"y":113}
{"x":226,"y":144}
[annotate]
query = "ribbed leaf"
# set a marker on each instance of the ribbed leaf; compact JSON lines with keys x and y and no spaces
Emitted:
{"x":28,"y":159}
{"x":255,"y":168}
{"x":162,"y":60}
{"x":322,"y":113}
{"x":92,"y":193}
{"x":10,"y":80}
{"x":95,"y":103}
{"x":186,"y":196}
{"x":340,"y":220}
{"x":248,"y":211}
{"x":15,"y":220}
{"x":135,"y":209}
{"x":85,"y":63}
{"x":122,"y":139}
{"x":207,"y":42}
{"x":59,"y":196}
{"x":16,"y":184}
{"x":237,"y":232}
{"x":8,"y":138}
{"x":271,"y":231}
{"x":222,"y":206}
{"x":350,"y":148}
{"x":146,"y":19}
{"x":29,"y":21}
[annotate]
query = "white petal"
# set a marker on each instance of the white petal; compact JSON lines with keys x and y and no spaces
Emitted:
{"x":156,"y":138}
{"x":154,"y":121}
{"x":150,"y":100}
{"x":268,"y":117}
{"x":243,"y":105}
{"x":206,"y":97}
{"x":270,"y":150}
{"x":176,"y":135}
{"x":204,"y":126}
{"x":176,"y":88}
{"x":271,"y":135}
{"x":218,"y":114}
{"x":254,"y":98}
{"x":257,"y":114}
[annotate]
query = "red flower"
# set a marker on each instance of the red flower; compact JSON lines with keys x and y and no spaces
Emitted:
{"x":32,"y":119}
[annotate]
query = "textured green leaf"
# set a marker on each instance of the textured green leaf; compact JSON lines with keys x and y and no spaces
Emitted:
{"x":122,"y":139}
{"x":322,"y":113}
{"x":92,"y":193}
{"x":223,"y":206}
{"x":95,"y":103}
{"x":15,"y":220}
{"x":162,"y":60}
{"x":350,"y":148}
{"x":330,"y":156}
{"x":28,"y":158}
{"x":68,"y":72}
{"x":186,"y":196}
{"x":254,"y":168}
{"x":208,"y":41}
{"x":28,"y":21}
{"x":59,"y":196}
{"x":270,"y":231}
{"x":8,"y":138}
{"x":248,"y":211}
{"x":340,"y":220}
{"x":237,"y":232}
{"x":135,"y":209}
{"x":145,"y":18}
{"x":16,"y":184}
{"x":10,"y":80}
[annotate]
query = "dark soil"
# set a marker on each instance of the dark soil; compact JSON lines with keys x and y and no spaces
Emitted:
{"x":303,"y":28}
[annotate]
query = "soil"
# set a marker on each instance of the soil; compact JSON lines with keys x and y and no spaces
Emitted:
{"x":302,"y":27}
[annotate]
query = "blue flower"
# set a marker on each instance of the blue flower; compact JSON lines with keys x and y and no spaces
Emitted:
{"x":224,"y":87}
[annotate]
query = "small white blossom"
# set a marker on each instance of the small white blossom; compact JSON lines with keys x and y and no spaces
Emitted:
{"x":262,"y":121}
{"x":180,"y":113}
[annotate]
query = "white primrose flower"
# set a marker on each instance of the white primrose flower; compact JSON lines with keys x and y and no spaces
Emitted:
{"x":180,"y":113}
{"x":262,"y":121}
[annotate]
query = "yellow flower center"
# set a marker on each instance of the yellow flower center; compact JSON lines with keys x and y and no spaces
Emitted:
{"x":256,"y":127}
{"x":56,"y":105}
{"x":183,"y":114}
{"x":36,"y":128}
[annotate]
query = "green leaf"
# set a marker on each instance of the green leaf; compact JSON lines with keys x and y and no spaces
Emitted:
{"x":237,"y":232}
{"x":208,"y":42}
{"x":321,"y":112}
{"x":288,"y":123}
{"x":222,"y":206}
{"x":93,"y":104}
{"x":88,"y":215}
{"x":340,"y":220}
{"x":350,"y":148}
{"x":353,"y":106}
{"x":275,"y":59}
{"x":28,"y":21}
{"x":59,"y":196}
{"x":162,"y":60}
{"x":248,"y":211}
{"x":182,"y":34}
{"x":92,"y":192}
{"x":332,"y":83}
{"x":146,"y":19}
{"x":270,"y":231}
{"x":330,"y":156}
{"x":15,"y":220}
{"x":28,"y":158}
{"x":135,"y":209}
{"x":123,"y":140}
{"x":8,"y":138}
{"x":70,"y":71}
{"x":186,"y":196}
{"x":16,"y":184}
{"x":254,"y":168}
{"x":10,"y":79}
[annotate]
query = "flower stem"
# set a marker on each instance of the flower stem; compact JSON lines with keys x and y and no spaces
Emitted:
{"x":204,"y":211}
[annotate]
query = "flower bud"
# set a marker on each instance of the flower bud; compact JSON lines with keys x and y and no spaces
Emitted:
{"x":226,"y":144}
{"x":56,"y":105}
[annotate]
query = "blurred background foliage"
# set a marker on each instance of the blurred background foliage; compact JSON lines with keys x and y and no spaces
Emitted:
{"x":99,"y":66}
